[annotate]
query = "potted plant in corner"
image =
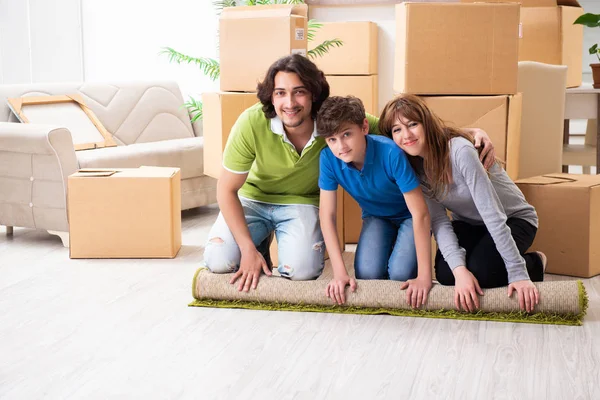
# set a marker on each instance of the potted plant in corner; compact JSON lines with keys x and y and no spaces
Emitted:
{"x":592,"y":21}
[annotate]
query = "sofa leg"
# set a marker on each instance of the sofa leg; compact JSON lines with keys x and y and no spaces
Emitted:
{"x":64,"y":236}
{"x":9,"y":231}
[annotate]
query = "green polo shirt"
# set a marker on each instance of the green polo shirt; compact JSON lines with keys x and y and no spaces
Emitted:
{"x":277,"y":174}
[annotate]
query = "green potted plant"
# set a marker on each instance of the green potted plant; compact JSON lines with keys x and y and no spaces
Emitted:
{"x":592,"y":21}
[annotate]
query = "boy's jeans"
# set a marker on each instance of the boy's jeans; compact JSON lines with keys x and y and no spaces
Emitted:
{"x":300,"y":242}
{"x":386,"y":249}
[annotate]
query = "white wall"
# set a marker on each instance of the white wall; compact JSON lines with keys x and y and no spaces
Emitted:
{"x":40,"y":41}
{"x":122,"y":39}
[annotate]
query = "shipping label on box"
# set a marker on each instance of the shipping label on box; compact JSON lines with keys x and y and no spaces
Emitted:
{"x":220,"y":111}
{"x":125,"y":213}
{"x":251,"y":38}
{"x":568,"y":208}
{"x":456,"y":48}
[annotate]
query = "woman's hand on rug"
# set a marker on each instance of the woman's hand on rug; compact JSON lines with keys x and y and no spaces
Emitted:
{"x":337,"y":286}
{"x":249,"y":272}
{"x":528,"y":294}
{"x":417,"y":291}
{"x":466,"y":288}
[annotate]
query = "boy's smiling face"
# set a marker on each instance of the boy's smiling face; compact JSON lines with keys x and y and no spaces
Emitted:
{"x":349,"y":143}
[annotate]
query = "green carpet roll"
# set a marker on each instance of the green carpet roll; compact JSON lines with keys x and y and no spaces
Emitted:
{"x":561,"y":302}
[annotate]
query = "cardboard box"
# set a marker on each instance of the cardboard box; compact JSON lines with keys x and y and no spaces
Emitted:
{"x":360,"y":46}
{"x":498,"y":116}
{"x":549,"y":36}
{"x":352,"y":219}
{"x":568,"y":208}
{"x":523,"y":3}
{"x":251,"y":38}
{"x":220,"y":111}
{"x":339,"y":224}
{"x":125,"y":213}
{"x":365,"y":87}
{"x":456,"y":48}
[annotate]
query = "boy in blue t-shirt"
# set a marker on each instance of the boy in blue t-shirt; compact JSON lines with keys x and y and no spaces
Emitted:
{"x":395,"y":236}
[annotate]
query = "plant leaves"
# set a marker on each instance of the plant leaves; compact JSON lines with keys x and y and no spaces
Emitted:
{"x":324,"y":48}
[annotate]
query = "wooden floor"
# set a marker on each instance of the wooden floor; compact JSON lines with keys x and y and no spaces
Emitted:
{"x":119,"y":329}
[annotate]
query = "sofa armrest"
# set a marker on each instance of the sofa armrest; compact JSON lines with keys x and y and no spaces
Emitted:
{"x":35,"y":163}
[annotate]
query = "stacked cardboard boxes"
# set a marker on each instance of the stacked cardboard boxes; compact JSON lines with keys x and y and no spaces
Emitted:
{"x":251,"y":38}
{"x":351,"y":69}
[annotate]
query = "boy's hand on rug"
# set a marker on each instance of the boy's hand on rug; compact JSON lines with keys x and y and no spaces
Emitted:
{"x":337,"y":286}
{"x":417,"y":292}
{"x":528,"y":294}
{"x":249,"y":272}
{"x":466,"y":288}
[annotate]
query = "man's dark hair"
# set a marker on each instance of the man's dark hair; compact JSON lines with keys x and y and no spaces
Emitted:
{"x":311,"y":76}
{"x":337,"y":111}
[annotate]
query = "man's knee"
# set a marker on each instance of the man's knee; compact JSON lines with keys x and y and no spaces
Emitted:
{"x":221,"y":257}
{"x":300,"y":271}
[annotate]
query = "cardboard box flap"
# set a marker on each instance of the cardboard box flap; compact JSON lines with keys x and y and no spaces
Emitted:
{"x":584,"y":181}
{"x":546,"y":180}
{"x":89,"y":172}
{"x":267,"y":11}
{"x":569,"y":3}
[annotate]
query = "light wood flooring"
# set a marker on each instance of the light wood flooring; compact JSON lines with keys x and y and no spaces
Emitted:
{"x":121,"y":329}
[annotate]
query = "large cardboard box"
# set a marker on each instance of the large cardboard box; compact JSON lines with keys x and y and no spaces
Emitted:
{"x":456,"y":48}
{"x":125,"y":213}
{"x":568,"y":208}
{"x":365,"y":87}
{"x":549,"y":36}
{"x":498,"y":116}
{"x":359,"y":45}
{"x":220,"y":111}
{"x":251,"y":38}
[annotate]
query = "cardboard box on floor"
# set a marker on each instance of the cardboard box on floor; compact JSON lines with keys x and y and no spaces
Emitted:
{"x":359,"y":45}
{"x":220,"y":111}
{"x":568,"y":208}
{"x":339,"y":224}
{"x":549,"y":36}
{"x":365,"y":87}
{"x":456,"y":48}
{"x":498,"y":116}
{"x":251,"y":38}
{"x":125,"y":213}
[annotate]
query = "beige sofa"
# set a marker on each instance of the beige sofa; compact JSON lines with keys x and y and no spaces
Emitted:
{"x":148,"y":122}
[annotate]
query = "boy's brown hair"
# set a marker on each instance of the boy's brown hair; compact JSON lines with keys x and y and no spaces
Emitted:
{"x":337,"y":111}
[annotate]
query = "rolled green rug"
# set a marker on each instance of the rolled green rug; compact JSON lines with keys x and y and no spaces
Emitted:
{"x":561,"y":302}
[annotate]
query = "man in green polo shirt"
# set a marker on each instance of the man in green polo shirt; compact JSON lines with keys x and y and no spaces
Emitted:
{"x":269,"y":180}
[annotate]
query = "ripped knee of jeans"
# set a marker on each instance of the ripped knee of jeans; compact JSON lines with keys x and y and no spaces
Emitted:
{"x":216,"y":240}
{"x":318,"y":246}
{"x":285,"y":271}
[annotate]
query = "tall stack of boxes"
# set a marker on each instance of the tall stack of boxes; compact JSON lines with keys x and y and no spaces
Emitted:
{"x":251,"y":38}
{"x":549,"y":36}
{"x":351,"y":69}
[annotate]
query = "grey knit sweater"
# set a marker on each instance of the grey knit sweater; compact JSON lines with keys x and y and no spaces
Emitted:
{"x":478,"y":198}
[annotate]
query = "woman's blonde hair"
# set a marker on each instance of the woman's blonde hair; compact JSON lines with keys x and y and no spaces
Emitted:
{"x":435,"y":171}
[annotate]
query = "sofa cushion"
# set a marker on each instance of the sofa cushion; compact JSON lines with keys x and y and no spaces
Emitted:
{"x":186,"y":154}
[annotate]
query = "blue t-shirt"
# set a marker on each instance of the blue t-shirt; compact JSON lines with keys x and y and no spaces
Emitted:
{"x":378,"y":187}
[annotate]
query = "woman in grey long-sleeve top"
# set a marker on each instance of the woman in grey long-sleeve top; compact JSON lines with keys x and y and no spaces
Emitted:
{"x":492,"y":224}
